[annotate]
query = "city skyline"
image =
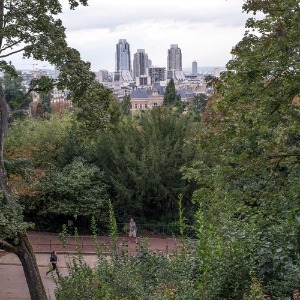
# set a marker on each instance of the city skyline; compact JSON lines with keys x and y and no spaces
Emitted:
{"x":205,"y":31}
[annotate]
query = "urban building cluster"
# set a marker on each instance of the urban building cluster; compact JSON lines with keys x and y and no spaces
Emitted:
{"x":138,"y":77}
{"x":145,"y":83}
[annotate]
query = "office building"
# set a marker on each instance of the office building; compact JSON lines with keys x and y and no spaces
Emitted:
{"x":194,"y":68}
{"x":123,"y":61}
{"x":157,"y":74}
{"x":102,"y":76}
{"x":140,"y":63}
{"x":174,"y":58}
{"x":123,"y":76}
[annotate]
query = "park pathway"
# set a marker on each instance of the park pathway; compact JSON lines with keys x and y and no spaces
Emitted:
{"x":13,"y":283}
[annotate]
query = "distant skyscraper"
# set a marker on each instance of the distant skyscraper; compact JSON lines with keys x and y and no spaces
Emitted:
{"x":123,"y":61}
{"x":157,"y":74}
{"x":174,"y":58}
{"x":102,"y":75}
{"x":140,"y":63}
{"x":194,"y":68}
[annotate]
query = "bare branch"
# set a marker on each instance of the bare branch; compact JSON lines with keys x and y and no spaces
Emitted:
{"x":10,"y":46}
{"x":11,"y":53}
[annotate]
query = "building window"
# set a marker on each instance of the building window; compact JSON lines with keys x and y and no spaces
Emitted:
{"x":154,"y":104}
{"x":135,"y":106}
{"x":141,"y":106}
{"x":146,"y":105}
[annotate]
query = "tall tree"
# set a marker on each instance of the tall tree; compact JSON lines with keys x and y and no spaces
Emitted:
{"x":126,"y":105}
{"x":31,"y":27}
{"x":170,"y":95}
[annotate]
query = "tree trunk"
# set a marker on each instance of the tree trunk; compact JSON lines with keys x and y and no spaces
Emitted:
{"x":22,"y":248}
{"x":3,"y":130}
{"x":30,"y":267}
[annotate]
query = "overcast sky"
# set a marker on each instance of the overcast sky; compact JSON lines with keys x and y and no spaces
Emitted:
{"x":205,"y":30}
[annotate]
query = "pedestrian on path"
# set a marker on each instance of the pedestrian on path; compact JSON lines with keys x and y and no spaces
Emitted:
{"x":132,"y":228}
{"x":53,"y":261}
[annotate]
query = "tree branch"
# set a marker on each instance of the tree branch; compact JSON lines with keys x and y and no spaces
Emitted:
{"x":10,"y":46}
{"x":7,"y":247}
{"x":11,"y":53}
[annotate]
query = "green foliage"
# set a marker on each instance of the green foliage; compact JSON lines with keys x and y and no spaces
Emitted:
{"x":46,"y":103}
{"x":11,"y":221}
{"x":199,"y":103}
{"x":146,"y":276}
{"x":248,"y":171}
{"x":78,"y":189}
{"x":14,"y":92}
{"x":63,"y":235}
{"x":42,"y":37}
{"x":142,"y":156}
{"x":256,"y":292}
{"x":114,"y":111}
{"x":31,"y":27}
{"x":43,"y":140}
{"x":93,"y":109}
{"x":170,"y":95}
{"x":182,"y":224}
{"x":126,"y":105}
{"x":112,"y":228}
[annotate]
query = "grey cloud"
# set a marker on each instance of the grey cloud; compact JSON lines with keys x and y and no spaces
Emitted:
{"x":112,"y":18}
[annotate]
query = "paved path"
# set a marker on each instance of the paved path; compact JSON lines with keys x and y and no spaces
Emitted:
{"x":13,"y":284}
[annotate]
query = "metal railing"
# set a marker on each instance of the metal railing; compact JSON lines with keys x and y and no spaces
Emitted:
{"x":42,"y":243}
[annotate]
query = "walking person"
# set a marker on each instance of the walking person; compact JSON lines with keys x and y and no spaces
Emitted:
{"x":132,"y":228}
{"x":53,"y":261}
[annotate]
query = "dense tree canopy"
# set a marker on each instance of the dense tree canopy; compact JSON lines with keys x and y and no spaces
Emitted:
{"x":249,"y":172}
{"x":142,"y":157}
{"x":78,"y":189}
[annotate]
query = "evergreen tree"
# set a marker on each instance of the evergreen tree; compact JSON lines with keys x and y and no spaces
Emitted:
{"x":142,"y":156}
{"x":170,"y":95}
{"x":126,"y":105}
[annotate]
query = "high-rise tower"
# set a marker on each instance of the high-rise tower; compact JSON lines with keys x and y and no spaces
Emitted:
{"x":174,"y":58}
{"x":194,"y":68}
{"x":123,"y":61}
{"x":140,"y":63}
